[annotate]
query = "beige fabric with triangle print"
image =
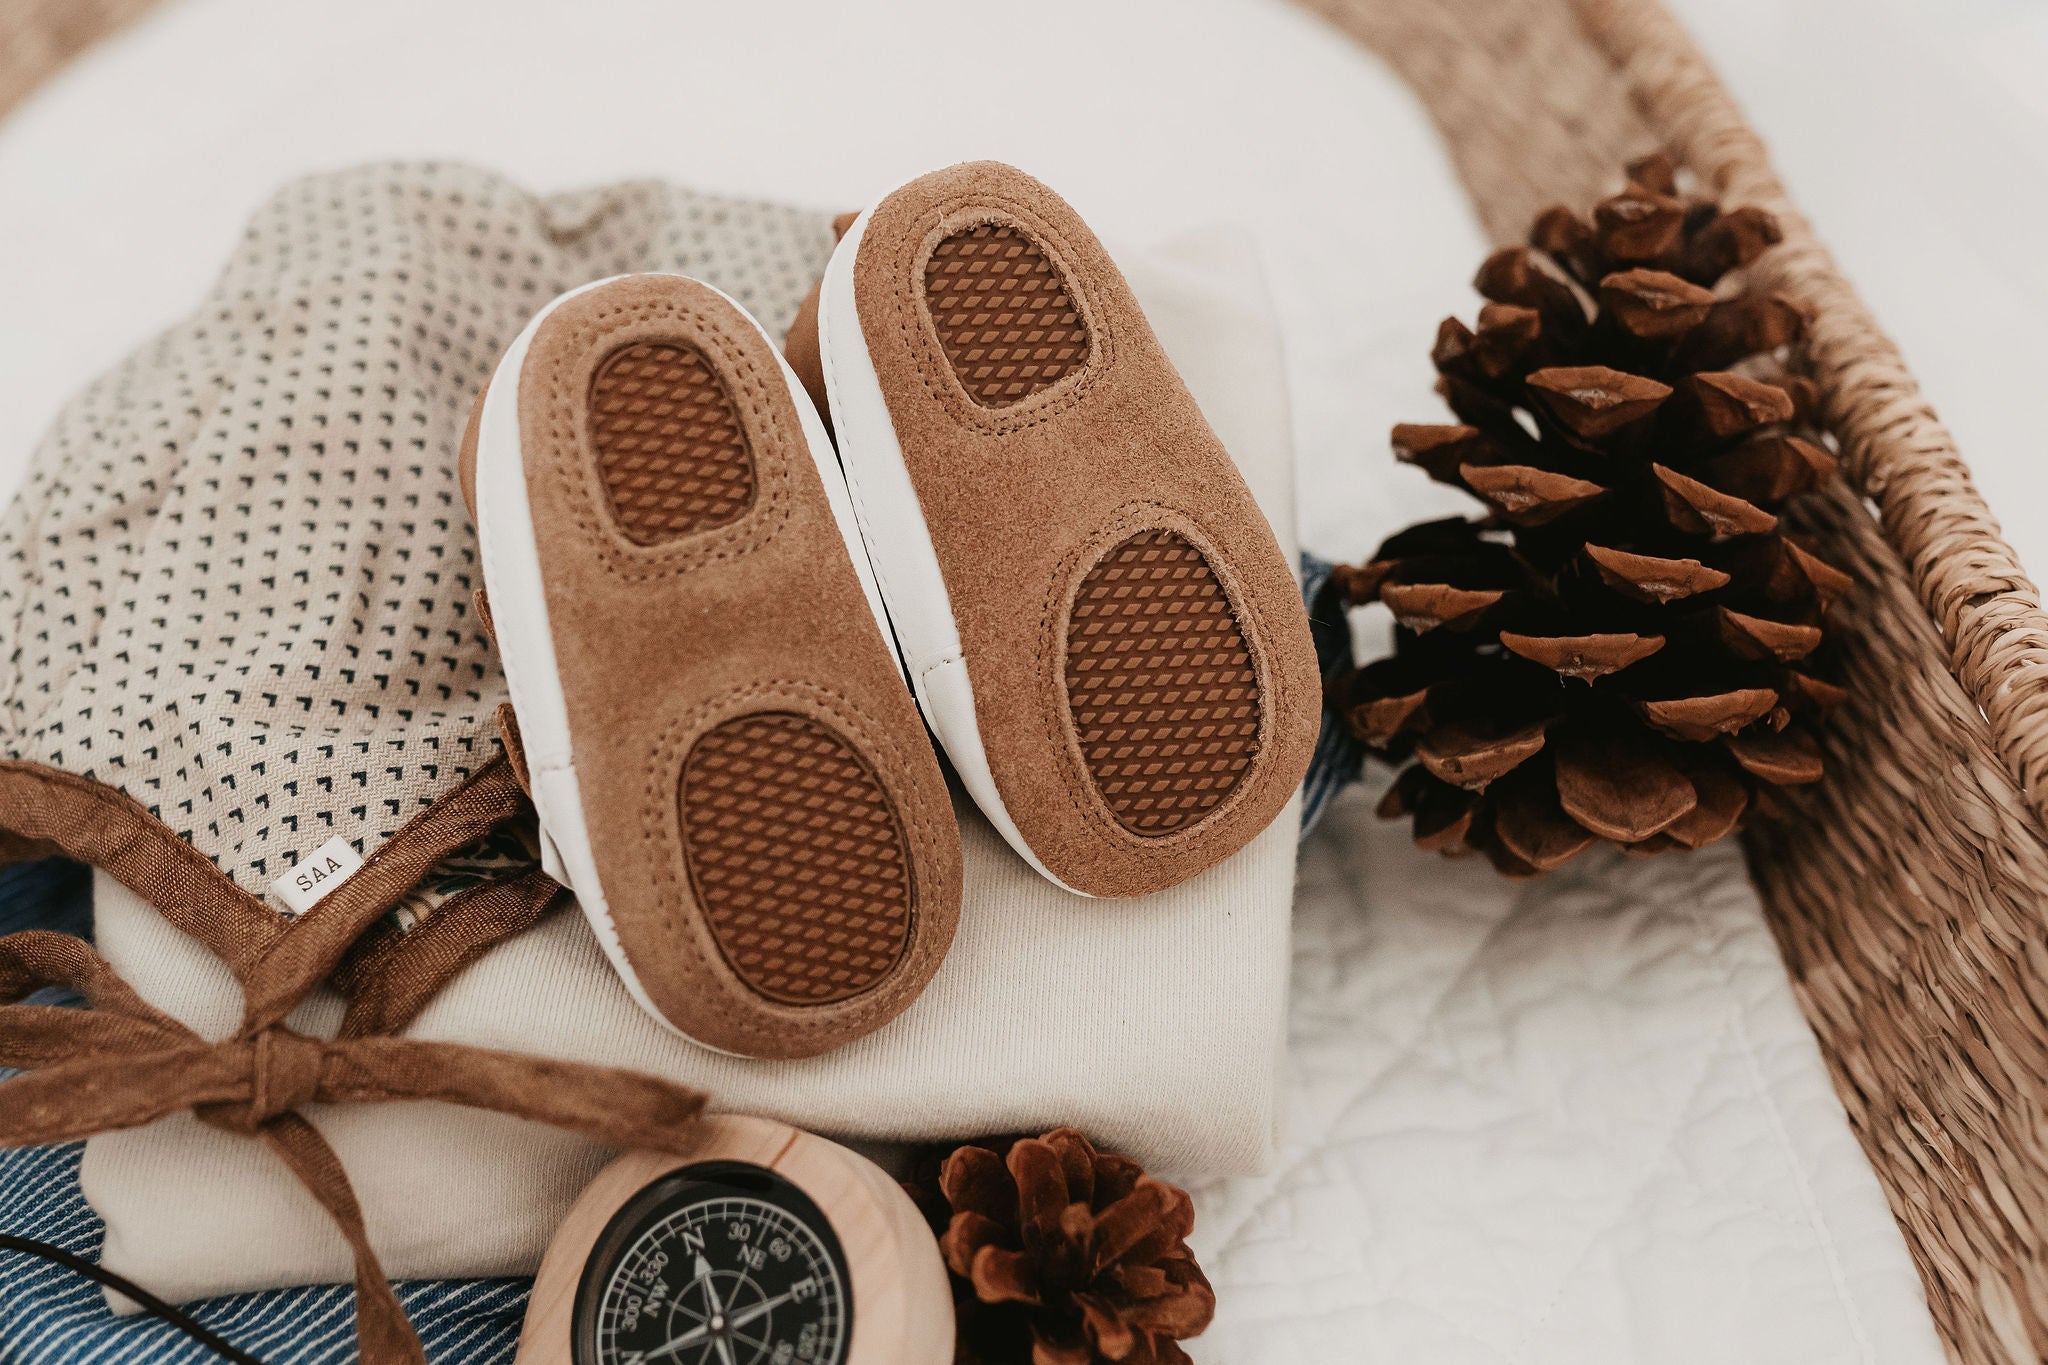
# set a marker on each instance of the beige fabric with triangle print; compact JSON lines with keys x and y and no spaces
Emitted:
{"x":236,"y":603}
{"x":237,"y":585}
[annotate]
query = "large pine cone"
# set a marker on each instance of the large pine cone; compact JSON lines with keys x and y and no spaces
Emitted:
{"x":1624,"y":647}
{"x":1063,"y":1255}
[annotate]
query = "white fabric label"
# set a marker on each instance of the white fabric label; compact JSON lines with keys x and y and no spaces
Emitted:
{"x":316,"y":874}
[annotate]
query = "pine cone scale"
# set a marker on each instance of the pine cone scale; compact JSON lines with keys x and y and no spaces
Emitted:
{"x":1001,"y":1276}
{"x":1441,"y":450}
{"x":1639,"y":225}
{"x":1113,"y":1336}
{"x":1701,"y":719}
{"x":1041,"y":1182}
{"x":1721,"y":802}
{"x":1425,"y":606}
{"x":1654,"y":303}
{"x":1649,"y":578}
{"x":1534,"y":826}
{"x":977,"y":1182}
{"x":1702,"y":509}
{"x":1787,"y":760}
{"x":1525,"y":494}
{"x":1583,"y":657}
{"x":1595,"y":401}
{"x":1619,"y":791}
{"x":1730,"y":405}
{"x":1128,"y":1223}
{"x":1753,"y":637}
{"x":1468,"y":757}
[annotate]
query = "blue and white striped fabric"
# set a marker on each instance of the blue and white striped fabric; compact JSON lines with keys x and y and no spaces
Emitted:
{"x":1340,"y":757}
{"x":50,"y":1316}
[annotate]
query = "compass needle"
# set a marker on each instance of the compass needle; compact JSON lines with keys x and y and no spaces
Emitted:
{"x":689,"y":1338}
{"x":760,"y":1310}
{"x":710,"y":1289}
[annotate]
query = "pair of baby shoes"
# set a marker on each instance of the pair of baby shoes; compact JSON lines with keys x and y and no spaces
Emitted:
{"x":727,"y":629}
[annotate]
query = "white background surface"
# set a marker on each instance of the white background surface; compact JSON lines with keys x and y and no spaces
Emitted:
{"x":1915,"y":135}
{"x":1169,"y":113}
{"x":1915,"y":132}
{"x":1618,"y":1044}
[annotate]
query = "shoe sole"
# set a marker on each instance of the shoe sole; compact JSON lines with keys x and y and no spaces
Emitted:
{"x":1118,"y":663}
{"x":703,"y":675}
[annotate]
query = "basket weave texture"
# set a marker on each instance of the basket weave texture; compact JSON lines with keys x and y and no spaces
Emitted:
{"x":1907,"y":889}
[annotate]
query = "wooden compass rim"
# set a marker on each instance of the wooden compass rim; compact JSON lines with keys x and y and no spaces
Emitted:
{"x":902,"y":1301}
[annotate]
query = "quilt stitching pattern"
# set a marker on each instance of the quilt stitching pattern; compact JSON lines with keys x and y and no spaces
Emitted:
{"x":1815,"y":1219}
{"x":1548,"y":1123}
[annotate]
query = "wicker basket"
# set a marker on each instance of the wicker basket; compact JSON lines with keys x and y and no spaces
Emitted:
{"x":1907,"y":891}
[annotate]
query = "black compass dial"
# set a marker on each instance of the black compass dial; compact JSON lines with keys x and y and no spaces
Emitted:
{"x":722,"y":1263}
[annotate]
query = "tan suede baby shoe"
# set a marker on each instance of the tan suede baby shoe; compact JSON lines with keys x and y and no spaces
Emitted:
{"x":1099,"y":625}
{"x":710,"y":712}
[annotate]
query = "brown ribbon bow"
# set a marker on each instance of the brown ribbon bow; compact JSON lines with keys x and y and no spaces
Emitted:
{"x":125,"y":1063}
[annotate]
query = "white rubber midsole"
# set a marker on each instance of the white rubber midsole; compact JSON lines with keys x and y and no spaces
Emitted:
{"x":906,"y":562}
{"x":526,"y":649}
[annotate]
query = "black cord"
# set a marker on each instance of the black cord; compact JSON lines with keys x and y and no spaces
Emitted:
{"x":151,"y":1304}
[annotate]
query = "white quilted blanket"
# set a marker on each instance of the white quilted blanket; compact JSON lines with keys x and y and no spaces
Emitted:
{"x":1577,"y":1120}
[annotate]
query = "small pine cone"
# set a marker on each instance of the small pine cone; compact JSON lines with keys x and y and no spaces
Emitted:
{"x":1627,"y":646}
{"x":1063,"y":1255}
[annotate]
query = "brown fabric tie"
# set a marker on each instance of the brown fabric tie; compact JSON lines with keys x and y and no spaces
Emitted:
{"x":125,"y":1063}
{"x":389,"y":976}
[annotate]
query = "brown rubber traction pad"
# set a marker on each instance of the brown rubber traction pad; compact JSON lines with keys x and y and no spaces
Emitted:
{"x":1002,"y":314}
{"x":1160,"y":684}
{"x":670,"y":449}
{"x":797,"y":857}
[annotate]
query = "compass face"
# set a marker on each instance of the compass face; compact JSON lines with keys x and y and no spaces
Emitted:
{"x":722,"y":1263}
